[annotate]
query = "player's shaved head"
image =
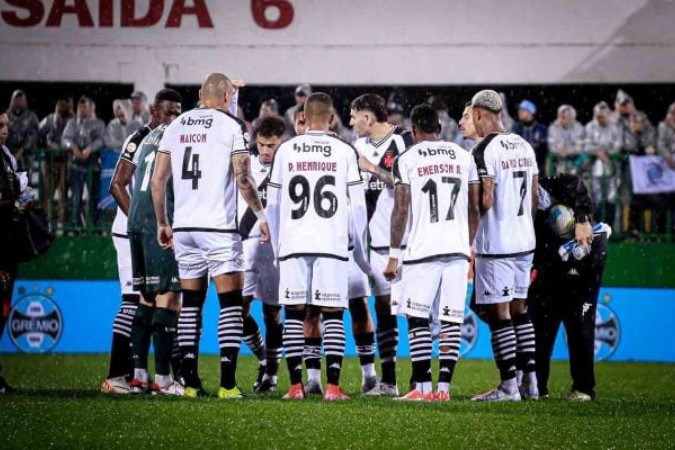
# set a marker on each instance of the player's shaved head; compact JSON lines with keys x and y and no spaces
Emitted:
{"x":214,"y":90}
{"x":318,"y":110}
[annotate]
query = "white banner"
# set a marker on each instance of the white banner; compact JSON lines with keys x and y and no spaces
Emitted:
{"x":651,"y":175}
{"x":340,"y":42}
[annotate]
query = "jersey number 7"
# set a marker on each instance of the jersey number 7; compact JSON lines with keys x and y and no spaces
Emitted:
{"x":191,"y":168}
{"x":523,"y":188}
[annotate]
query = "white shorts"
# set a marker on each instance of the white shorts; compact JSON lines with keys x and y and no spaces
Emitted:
{"x":358,"y":281}
{"x":378,"y":262}
{"x":435,"y":288}
{"x":261,"y":278}
{"x":123,"y":251}
{"x":314,"y":281}
{"x":500,"y":280}
{"x":201,"y":253}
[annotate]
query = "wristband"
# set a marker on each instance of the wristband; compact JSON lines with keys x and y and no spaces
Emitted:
{"x":260,"y":214}
{"x":582,"y":218}
{"x":393,"y":253}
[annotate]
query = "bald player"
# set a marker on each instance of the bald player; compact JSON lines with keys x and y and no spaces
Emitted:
{"x":206,"y":152}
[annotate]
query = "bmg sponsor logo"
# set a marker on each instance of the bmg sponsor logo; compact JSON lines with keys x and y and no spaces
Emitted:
{"x":607,"y":331}
{"x":35,"y":324}
{"x":326,"y":150}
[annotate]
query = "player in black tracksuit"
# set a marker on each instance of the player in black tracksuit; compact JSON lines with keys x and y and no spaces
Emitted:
{"x":565,"y":292}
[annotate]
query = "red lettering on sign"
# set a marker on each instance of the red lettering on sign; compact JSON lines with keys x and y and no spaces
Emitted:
{"x":285,"y":8}
{"x":178,"y":10}
{"x":79,"y":8}
{"x":151,"y":17}
{"x":105,"y":13}
{"x":35,"y":13}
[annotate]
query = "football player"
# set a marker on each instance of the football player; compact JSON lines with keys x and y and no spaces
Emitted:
{"x":437,"y":182}
{"x":261,"y":278}
{"x":206,"y":152}
{"x":154,"y":269}
{"x":315,"y":196}
{"x":378,"y":145}
{"x":121,"y":365}
{"x":505,"y":243}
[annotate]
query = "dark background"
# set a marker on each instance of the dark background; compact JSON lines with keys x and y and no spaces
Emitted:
{"x":653,"y":99}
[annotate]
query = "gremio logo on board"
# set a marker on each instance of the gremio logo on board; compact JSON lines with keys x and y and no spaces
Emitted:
{"x":35,"y":323}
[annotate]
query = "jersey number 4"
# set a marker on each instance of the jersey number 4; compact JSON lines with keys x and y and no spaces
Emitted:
{"x":325,"y":202}
{"x":191,"y":167}
{"x":431,"y":188}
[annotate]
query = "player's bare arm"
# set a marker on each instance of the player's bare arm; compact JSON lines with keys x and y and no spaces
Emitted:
{"x":474,"y":210}
{"x":158,"y":185}
{"x":378,"y":172}
{"x":399,"y":222}
{"x":124,"y":172}
{"x":241,"y":162}
{"x":487,"y":195}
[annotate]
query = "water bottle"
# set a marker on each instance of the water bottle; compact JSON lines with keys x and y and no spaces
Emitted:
{"x":580,"y":251}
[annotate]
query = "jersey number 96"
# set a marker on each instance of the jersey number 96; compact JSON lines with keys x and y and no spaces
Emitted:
{"x":325,"y":202}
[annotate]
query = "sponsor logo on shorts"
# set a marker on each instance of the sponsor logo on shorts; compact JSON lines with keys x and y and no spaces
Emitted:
{"x":151,"y":280}
{"x":607,"y":330}
{"x":506,"y":292}
{"x":35,"y":324}
{"x":451,"y":313}
{"x":416,"y":306}
{"x":295,"y":295}
{"x":326,"y":296}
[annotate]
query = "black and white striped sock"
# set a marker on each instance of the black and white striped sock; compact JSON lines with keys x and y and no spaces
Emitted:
{"x":387,"y":345}
{"x":419,"y":335}
{"x":504,"y":348}
{"x":189,"y":332}
{"x":525,"y":348}
{"x":230,"y":332}
{"x":120,"y":352}
{"x":365,"y":350}
{"x":294,"y":343}
{"x":334,"y":345}
{"x":448,"y":346}
{"x":253,"y":338}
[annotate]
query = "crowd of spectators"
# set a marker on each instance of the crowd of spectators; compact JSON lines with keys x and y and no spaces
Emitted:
{"x":70,"y":143}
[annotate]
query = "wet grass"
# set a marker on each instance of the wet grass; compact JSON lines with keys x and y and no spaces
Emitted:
{"x":58,"y":405}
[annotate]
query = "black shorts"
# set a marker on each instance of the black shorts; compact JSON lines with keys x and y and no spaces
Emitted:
{"x":153,"y":268}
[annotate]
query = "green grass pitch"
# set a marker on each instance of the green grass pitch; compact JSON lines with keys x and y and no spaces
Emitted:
{"x":59,"y":406}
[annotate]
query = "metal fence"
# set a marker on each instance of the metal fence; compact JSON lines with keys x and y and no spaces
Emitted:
{"x":647,"y":218}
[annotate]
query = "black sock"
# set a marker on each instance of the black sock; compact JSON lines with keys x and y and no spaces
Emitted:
{"x":334,"y":345}
{"x":294,"y":342}
{"x":189,"y":332}
{"x":230,"y":331}
{"x":121,"y":363}
{"x":387,"y":344}
{"x":253,"y":338}
{"x":525,"y":343}
{"x":175,"y":358}
{"x":274,"y":345}
{"x":365,"y":348}
{"x":448,"y":351}
{"x":141,"y":332}
{"x":164,"y":325}
{"x":420,"y":349}
{"x":504,"y":348}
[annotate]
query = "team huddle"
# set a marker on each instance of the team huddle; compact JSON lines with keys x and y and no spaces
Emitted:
{"x":313,"y":226}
